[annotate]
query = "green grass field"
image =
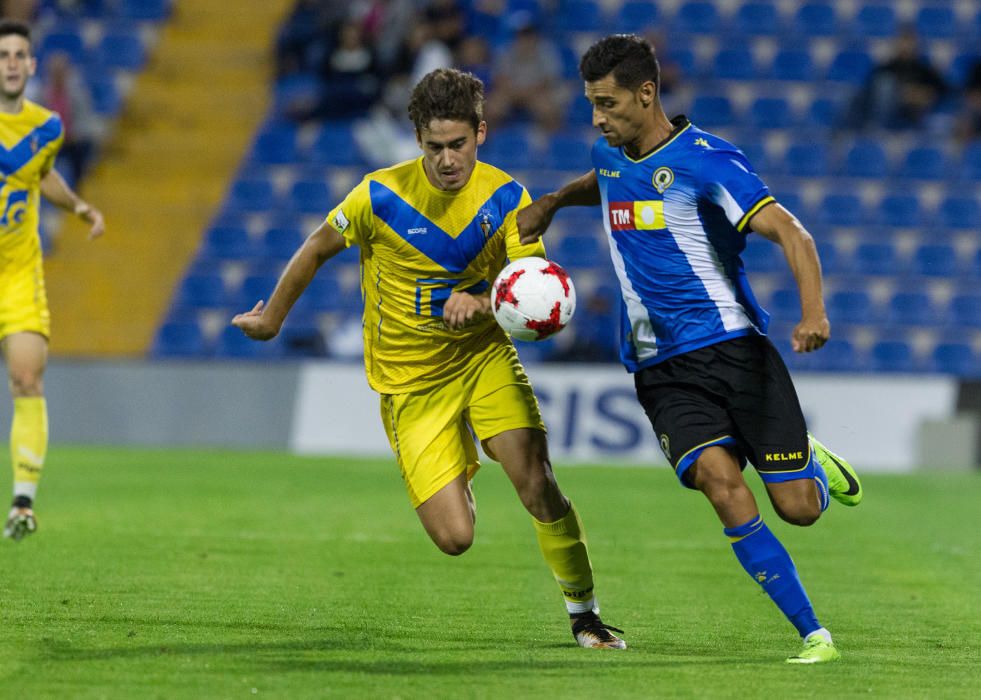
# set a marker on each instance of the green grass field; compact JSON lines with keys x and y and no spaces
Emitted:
{"x":208,"y":574}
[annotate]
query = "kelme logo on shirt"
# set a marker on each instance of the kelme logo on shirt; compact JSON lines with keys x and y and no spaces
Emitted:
{"x":340,"y":221}
{"x":663,"y":177}
{"x":637,"y":216}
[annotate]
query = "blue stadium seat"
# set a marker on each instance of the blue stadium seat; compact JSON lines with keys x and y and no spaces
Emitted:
{"x":808,"y":159}
{"x":755,"y":153}
{"x":712,"y":111}
{"x":310,"y":197}
{"x":936,"y":22}
{"x":106,"y":99}
{"x":761,"y":255}
{"x":202,"y":292}
{"x":957,"y":359}
{"x":832,"y":261}
{"x":569,"y":151}
{"x":326,"y":293}
{"x":960,"y":67}
{"x":965,"y":310}
{"x":233,"y":343}
{"x":823,"y":111}
{"x":228,"y":243}
{"x":876,"y":259}
{"x":876,"y":21}
{"x":815,"y":19}
{"x":64,"y":39}
{"x":636,"y":16}
{"x":935,"y":260}
{"x":793,"y":64}
{"x":843,"y":209}
{"x":960,"y":212}
{"x":865,"y":158}
{"x":122,"y":50}
{"x":850,"y":66}
{"x":771,"y":113}
{"x":179,"y":339}
{"x":281,"y":243}
{"x":276,"y":146}
{"x":251,"y":195}
{"x":784,"y":304}
{"x":697,"y":17}
{"x":913,"y":309}
{"x":684,"y":58}
{"x":900,"y":211}
{"x":971,"y":162}
{"x":301,"y":339}
{"x":335,"y":145}
{"x":893,"y":356}
{"x":582,"y":251}
{"x":757,"y":19}
{"x":735,"y":63}
{"x":839,"y":355}
{"x":254,"y":287}
{"x":144,"y":10}
{"x":925,"y":163}
{"x":579,"y":16}
{"x":509,"y":148}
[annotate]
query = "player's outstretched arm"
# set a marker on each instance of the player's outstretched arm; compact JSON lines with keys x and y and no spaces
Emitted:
{"x":534,"y":219}
{"x":264,"y":320}
{"x":780,"y":226}
{"x":56,"y":190}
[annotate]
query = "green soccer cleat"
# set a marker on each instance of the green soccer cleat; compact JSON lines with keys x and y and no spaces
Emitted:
{"x":817,"y":650}
{"x":843,"y":482}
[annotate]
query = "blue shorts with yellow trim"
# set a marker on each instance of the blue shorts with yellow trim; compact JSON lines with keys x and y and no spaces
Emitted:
{"x":23,"y":300}
{"x":432,"y":432}
{"x":735,"y":394}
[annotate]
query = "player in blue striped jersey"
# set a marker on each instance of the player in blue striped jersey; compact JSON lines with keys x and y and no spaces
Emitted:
{"x":678,"y":204}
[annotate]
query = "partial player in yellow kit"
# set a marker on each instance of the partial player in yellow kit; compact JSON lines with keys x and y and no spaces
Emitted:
{"x":29,"y":140}
{"x":433,"y":234}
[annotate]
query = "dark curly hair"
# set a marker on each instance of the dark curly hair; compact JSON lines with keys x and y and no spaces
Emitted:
{"x":447,"y":93}
{"x":630,"y":58}
{"x":11,"y":26}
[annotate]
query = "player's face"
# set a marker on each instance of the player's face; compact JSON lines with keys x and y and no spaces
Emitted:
{"x":16,"y":65}
{"x":617,"y":111}
{"x":449,"y":151}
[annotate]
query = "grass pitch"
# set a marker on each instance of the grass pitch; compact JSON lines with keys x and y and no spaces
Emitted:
{"x":206,"y":574}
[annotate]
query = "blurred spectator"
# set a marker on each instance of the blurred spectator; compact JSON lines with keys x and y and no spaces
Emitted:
{"x":304,"y":40}
{"x":65,"y":92}
{"x":527,"y":78}
{"x":386,"y":24}
{"x":900,"y":93}
{"x":473,"y":56}
{"x":448,"y":22}
{"x":351,"y":75}
{"x":969,"y":119}
{"x":21,"y":10}
{"x":671,"y":73}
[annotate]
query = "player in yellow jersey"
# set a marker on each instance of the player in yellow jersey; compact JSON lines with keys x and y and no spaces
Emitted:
{"x":433,"y":233}
{"x":29,"y":140}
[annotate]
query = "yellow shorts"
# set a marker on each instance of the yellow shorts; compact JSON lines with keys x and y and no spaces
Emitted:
{"x":432,"y":432}
{"x":23,"y":300}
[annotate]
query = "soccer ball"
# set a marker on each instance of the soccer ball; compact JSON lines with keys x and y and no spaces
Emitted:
{"x":533,"y":298}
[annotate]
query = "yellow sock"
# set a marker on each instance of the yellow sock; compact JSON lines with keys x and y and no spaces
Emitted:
{"x":563,"y":545}
{"x":28,"y":443}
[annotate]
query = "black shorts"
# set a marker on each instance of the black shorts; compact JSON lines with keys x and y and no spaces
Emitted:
{"x":737,"y":394}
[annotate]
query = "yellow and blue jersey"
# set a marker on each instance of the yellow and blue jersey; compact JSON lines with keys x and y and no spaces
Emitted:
{"x":418,"y":244}
{"x":29,"y":142}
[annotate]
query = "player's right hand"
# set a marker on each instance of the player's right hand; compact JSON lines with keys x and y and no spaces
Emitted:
{"x":253,"y":324}
{"x":533,"y":220}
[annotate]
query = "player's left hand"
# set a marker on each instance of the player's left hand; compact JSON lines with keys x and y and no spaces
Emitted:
{"x":253,"y":324}
{"x":810,"y":334}
{"x":463,"y":308}
{"x":94,"y":218}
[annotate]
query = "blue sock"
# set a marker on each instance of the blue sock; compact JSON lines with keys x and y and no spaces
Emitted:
{"x":765,"y":559}
{"x":821,"y":479}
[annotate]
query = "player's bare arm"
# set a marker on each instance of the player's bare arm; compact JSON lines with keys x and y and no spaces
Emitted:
{"x":56,"y":190}
{"x":463,"y":308}
{"x":534,"y":219}
{"x":780,"y":226}
{"x":264,"y":320}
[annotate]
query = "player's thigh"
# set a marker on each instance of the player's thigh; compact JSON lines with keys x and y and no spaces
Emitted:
{"x":765,"y":408}
{"x":501,"y":399}
{"x":430,"y":438}
{"x":24,"y":301}
{"x":686,"y":415}
{"x":447,"y":516}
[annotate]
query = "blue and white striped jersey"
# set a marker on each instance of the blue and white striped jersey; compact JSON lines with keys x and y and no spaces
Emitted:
{"x":677,"y":222}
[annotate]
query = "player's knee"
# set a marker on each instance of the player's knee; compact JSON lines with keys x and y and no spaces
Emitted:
{"x":25,"y":383}
{"x":454,"y":544}
{"x":802,"y":517}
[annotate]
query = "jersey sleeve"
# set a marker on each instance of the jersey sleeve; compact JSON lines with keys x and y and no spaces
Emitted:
{"x":353,"y":217}
{"x":515,"y":249}
{"x":730,"y":182}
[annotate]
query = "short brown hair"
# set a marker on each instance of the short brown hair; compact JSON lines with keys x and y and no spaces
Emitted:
{"x":447,"y":93}
{"x":12,"y":26}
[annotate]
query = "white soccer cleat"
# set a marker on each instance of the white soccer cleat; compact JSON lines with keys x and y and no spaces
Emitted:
{"x":592,"y":633}
{"x":20,"y":523}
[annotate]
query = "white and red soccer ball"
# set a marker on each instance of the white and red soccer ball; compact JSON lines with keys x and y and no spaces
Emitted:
{"x":533,"y":299}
